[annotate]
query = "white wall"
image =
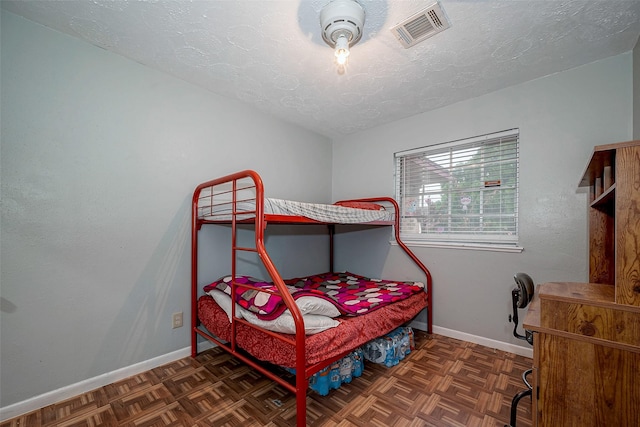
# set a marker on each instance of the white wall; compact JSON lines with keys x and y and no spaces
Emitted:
{"x":560,"y":117}
{"x":99,"y":157}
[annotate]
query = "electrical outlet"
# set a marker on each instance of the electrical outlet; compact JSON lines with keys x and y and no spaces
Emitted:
{"x":176,"y":320}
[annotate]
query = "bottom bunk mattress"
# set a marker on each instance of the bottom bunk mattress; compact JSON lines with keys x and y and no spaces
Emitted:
{"x":352,"y":332}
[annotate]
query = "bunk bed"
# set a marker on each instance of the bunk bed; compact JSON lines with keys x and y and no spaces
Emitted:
{"x":238,"y":201}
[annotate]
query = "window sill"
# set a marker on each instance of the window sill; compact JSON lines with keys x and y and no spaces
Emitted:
{"x":465,"y":246}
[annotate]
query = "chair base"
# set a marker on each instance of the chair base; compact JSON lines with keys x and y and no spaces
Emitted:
{"x":518,"y":397}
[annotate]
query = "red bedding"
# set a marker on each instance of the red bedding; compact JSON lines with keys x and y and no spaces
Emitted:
{"x":351,"y":293}
{"x":352,"y":332}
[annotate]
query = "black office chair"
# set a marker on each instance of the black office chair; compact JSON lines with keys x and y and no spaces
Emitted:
{"x":521,"y":296}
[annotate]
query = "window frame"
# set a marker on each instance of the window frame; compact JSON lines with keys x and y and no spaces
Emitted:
{"x":484,"y":240}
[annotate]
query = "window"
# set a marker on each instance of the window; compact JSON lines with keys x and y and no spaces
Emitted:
{"x":463,"y":192}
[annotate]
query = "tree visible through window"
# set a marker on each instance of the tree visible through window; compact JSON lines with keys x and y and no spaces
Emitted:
{"x":461,"y":191}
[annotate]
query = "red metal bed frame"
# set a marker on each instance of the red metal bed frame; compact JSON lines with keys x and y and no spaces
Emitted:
{"x":260,"y":221}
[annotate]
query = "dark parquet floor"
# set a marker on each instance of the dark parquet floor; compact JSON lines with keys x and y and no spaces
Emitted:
{"x":444,"y":382}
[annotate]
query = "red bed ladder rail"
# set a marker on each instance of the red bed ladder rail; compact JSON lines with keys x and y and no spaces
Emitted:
{"x":302,"y":383}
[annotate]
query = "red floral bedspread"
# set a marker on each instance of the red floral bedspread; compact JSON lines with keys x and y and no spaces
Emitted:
{"x":350,"y":293}
{"x":353,"y":331}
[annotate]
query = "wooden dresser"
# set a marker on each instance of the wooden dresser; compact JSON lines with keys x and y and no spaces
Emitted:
{"x":586,"y":350}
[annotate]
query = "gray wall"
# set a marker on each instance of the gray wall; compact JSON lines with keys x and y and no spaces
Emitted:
{"x":560,"y":117}
{"x":99,"y":157}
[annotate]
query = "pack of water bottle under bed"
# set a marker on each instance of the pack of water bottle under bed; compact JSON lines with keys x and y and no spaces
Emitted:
{"x":387,"y":350}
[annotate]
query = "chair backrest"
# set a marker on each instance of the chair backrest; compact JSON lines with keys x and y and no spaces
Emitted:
{"x":521,"y":296}
{"x":525,"y":288}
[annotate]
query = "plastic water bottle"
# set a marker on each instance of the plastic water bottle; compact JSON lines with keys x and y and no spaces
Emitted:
{"x":334,"y":375}
{"x":321,"y":382}
{"x":346,"y":369}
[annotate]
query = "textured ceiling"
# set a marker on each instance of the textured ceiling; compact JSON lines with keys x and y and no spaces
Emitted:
{"x":270,"y":53}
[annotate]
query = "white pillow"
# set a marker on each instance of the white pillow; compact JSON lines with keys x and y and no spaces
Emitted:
{"x":306,"y":304}
{"x":224,"y":301}
{"x":316,"y":305}
{"x":313,"y":323}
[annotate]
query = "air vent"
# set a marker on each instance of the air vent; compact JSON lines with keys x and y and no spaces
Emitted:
{"x":421,"y":26}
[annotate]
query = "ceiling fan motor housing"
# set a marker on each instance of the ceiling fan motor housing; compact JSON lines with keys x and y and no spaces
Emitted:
{"x":342,"y":17}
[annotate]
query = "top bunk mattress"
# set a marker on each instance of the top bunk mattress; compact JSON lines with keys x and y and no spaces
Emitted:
{"x":362,"y":213}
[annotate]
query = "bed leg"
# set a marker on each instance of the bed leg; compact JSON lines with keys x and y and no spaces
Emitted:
{"x":194,"y":344}
{"x":301,"y":399}
{"x":301,"y":408}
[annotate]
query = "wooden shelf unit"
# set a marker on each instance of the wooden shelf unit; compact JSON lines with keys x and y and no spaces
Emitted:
{"x":586,"y":351}
{"x":613,"y":178}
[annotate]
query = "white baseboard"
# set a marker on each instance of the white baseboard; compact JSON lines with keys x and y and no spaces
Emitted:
{"x":487,"y":342}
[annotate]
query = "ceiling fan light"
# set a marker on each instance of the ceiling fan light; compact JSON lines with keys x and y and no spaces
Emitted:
{"x":341,"y":22}
{"x":342,"y":49}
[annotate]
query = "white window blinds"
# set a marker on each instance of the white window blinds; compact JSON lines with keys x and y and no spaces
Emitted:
{"x":463,"y":191}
